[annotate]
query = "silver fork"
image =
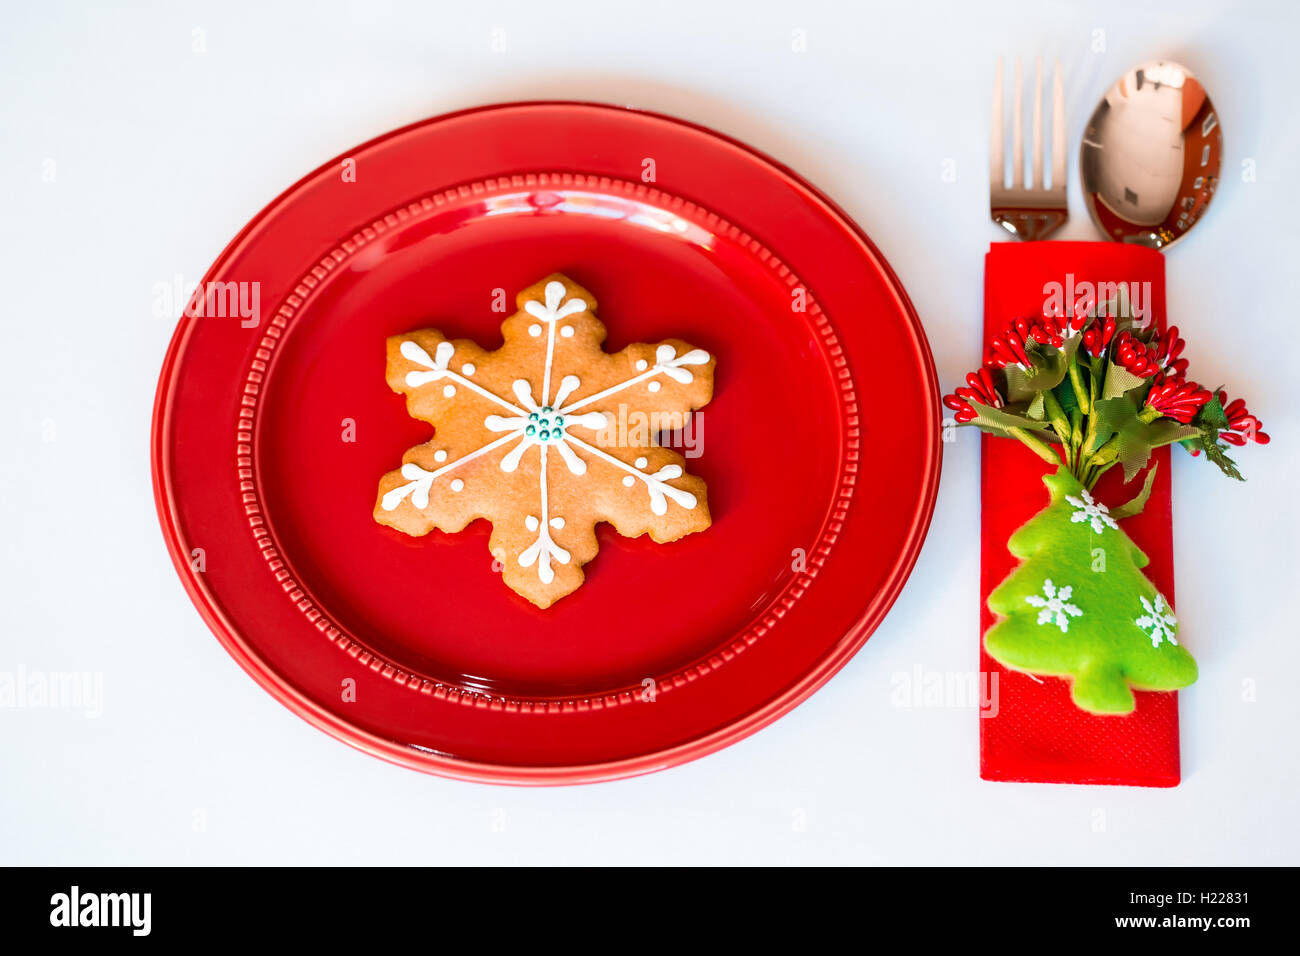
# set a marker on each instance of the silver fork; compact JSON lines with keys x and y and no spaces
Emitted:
{"x":1034,"y":211}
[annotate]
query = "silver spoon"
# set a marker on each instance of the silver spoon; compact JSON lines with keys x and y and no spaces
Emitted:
{"x":1151,"y":156}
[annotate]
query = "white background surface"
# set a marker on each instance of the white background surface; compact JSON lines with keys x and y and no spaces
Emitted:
{"x":162,"y":153}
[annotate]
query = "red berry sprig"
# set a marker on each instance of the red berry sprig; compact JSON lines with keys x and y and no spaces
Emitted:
{"x":1009,"y":347}
{"x":1076,"y":323}
{"x":1168,"y":348}
{"x":1135,"y":356}
{"x":1050,"y":331}
{"x":980,"y":388}
{"x":1097,"y":338}
{"x":1242,"y":425}
{"x":1058,"y":430}
{"x":1177,"y":399}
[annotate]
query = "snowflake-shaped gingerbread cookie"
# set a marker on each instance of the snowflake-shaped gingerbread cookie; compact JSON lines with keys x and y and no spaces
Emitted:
{"x":546,"y":437}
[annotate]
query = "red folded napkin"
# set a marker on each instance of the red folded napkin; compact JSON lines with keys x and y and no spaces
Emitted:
{"x":1031,"y":731}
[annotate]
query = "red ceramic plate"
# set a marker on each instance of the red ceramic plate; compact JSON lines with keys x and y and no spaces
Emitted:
{"x":820,"y":448}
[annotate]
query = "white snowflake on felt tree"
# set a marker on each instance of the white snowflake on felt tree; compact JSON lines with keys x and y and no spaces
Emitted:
{"x":535,"y":437}
{"x":1055,"y":606}
{"x":1090,"y":511}
{"x":1158,"y":621}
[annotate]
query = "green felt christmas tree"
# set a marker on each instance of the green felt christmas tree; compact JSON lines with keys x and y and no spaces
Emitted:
{"x":1080,"y":607}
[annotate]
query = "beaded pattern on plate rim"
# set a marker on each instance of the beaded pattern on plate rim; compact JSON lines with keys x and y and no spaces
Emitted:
{"x":474,"y":697}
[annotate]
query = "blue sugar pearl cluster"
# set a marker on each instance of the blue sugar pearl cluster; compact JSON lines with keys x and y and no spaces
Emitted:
{"x":545,"y":425}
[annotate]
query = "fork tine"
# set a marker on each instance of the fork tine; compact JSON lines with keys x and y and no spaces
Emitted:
{"x":1037,"y":180}
{"x":1058,"y":131}
{"x":1027,"y":209}
{"x":1017,"y":135}
{"x":997,"y":164}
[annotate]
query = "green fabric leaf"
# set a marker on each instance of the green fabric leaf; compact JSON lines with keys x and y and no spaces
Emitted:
{"x":1035,"y":409}
{"x":1071,"y":348}
{"x":1120,"y":381}
{"x":1137,"y":441}
{"x":1219,"y":455}
{"x":999,"y":421}
{"x":1050,"y":366}
{"x":1209,"y":421}
{"x":1135,"y":504}
{"x":1112,"y":415}
{"x":1079,"y":607}
{"x":1166,"y":431}
{"x":1212,"y":415}
{"x":1207,"y":441}
{"x":1134,"y":438}
{"x":1065,"y":395}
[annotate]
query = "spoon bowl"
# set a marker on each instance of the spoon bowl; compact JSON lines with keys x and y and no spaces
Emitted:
{"x":1151,"y":156}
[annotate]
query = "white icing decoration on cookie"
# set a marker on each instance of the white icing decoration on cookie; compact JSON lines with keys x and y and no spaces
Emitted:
{"x":576,"y":464}
{"x":567,"y":331}
{"x":437,"y":369}
{"x":670,"y":363}
{"x":437,"y":365}
{"x":568,"y":385}
{"x":524,"y":392}
{"x":500,"y":423}
{"x":642,"y":365}
{"x":419,"y":480}
{"x":420,"y":495}
{"x":557,"y":523}
{"x":543,"y":426}
{"x":457,"y":484}
{"x":655,"y":386}
{"x":544,"y":548}
{"x":534,"y":330}
{"x":440,"y":455}
{"x":629,"y":481}
{"x":511,"y":460}
{"x":642,"y":462}
{"x":555,"y":308}
{"x":593,"y":420}
{"x":467,"y":368}
{"x":656,"y":484}
{"x":418,"y":488}
{"x":667,"y":362}
{"x":449,"y":391}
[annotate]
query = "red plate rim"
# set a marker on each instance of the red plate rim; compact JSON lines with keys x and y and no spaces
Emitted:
{"x":455,"y":767}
